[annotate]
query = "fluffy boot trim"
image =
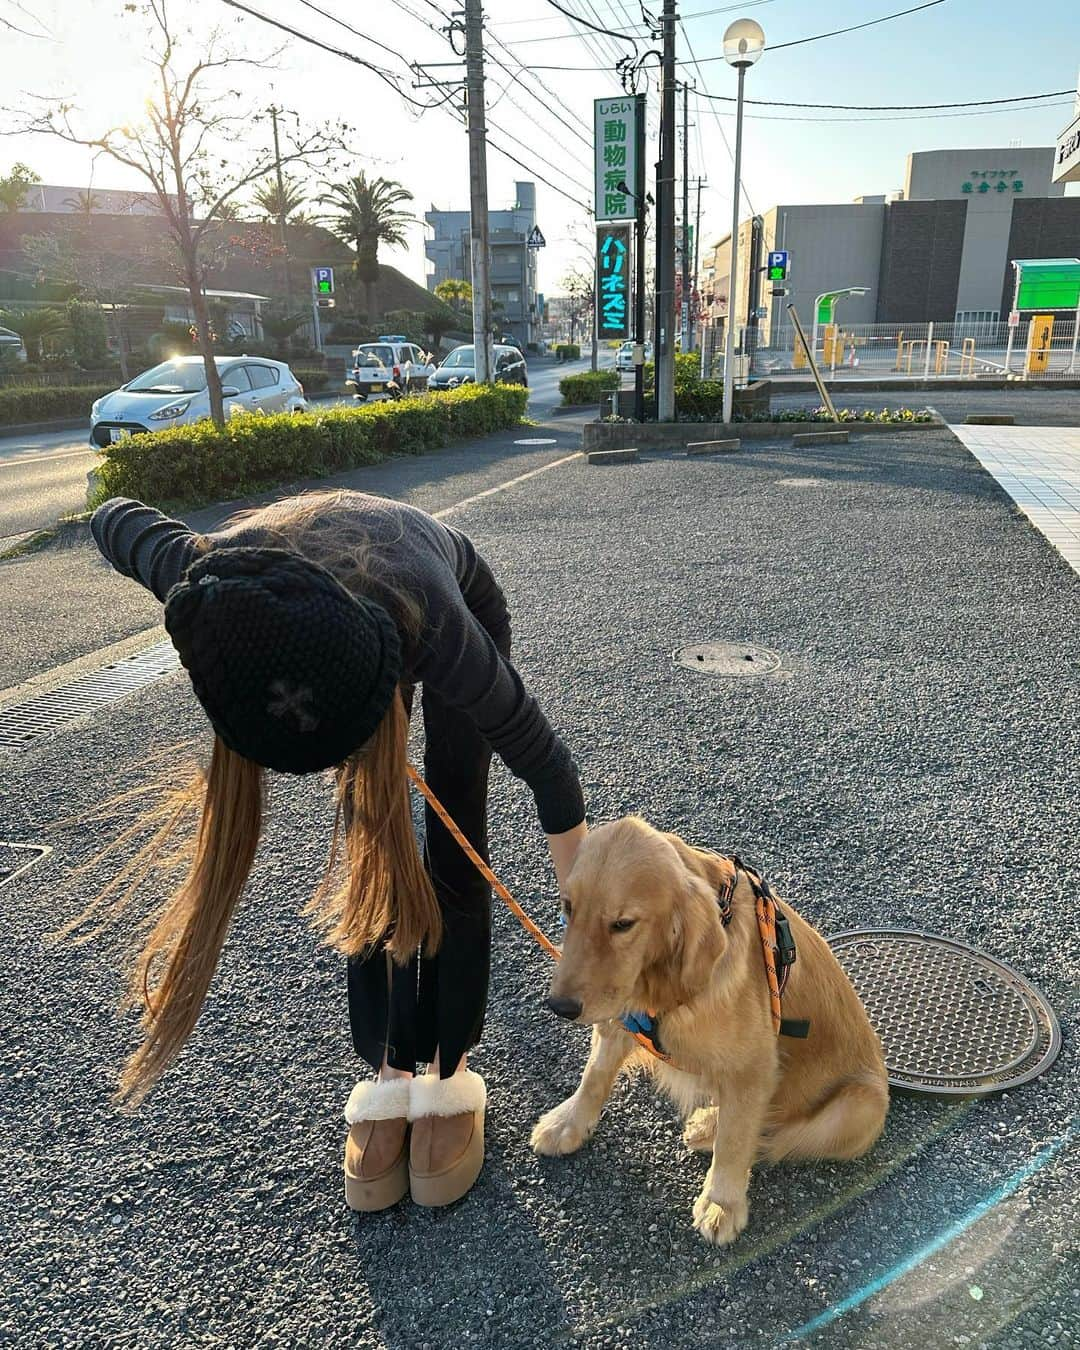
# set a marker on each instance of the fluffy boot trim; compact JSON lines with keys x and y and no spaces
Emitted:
{"x":453,"y":1096}
{"x":388,"y":1100}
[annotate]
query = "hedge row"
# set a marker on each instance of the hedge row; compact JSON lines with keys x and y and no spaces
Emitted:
{"x":588,"y":386}
{"x":21,"y":404}
{"x":201,"y":463}
{"x":314,"y":381}
{"x":568,"y":351}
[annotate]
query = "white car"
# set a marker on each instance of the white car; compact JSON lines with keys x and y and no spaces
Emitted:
{"x":387,"y":367}
{"x":175,"y":393}
{"x":624,"y":357}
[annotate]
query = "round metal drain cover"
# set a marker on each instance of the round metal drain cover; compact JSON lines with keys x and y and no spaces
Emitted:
{"x":952,"y":1020}
{"x":537,"y":440}
{"x":727,"y":658}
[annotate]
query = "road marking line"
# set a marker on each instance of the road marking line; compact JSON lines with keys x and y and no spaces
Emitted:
{"x":44,"y":459}
{"x":502,"y":487}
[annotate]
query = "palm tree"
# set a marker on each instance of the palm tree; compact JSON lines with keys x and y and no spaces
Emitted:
{"x":34,"y":326}
{"x":453,"y":291}
{"x":282,"y":205}
{"x":368,"y":214}
{"x":83,"y":202}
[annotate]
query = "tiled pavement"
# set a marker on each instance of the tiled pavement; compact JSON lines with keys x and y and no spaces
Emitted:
{"x":1039,"y":467}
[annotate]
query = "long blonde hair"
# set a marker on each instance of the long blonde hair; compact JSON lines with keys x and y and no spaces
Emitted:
{"x":385,"y":896}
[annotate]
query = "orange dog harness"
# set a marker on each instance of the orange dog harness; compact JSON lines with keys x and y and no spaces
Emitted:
{"x":777,"y":944}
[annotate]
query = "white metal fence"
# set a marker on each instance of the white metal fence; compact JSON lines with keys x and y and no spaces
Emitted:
{"x":1043,"y":348}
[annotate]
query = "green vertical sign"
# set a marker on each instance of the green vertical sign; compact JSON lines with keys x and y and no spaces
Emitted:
{"x":615,"y":123}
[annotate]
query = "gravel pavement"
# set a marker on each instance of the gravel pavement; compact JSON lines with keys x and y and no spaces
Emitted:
{"x":914,"y":762}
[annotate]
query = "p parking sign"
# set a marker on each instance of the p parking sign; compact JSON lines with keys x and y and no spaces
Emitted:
{"x":613,"y":281}
{"x":322,"y":280}
{"x":778,"y":265}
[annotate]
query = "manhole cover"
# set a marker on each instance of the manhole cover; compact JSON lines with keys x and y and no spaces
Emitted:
{"x":16,"y":858}
{"x":537,"y":440}
{"x":727,"y":658}
{"x":952,"y":1020}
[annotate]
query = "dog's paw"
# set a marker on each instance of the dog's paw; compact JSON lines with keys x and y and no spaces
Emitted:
{"x":720,"y":1222}
{"x":700,"y":1132}
{"x":561,"y":1130}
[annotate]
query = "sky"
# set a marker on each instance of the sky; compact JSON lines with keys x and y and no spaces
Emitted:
{"x":957,"y":50}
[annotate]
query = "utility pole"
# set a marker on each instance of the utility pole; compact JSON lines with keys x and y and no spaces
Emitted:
{"x":281,"y":212}
{"x":697,"y":253}
{"x":478,"y":198}
{"x":684,"y":314}
{"x":665,"y":228}
{"x":639,"y":258}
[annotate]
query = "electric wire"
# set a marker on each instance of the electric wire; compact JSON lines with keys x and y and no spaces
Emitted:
{"x":587,"y":23}
{"x":886,"y":107}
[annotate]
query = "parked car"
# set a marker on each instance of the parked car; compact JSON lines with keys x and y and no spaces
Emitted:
{"x":624,"y":357}
{"x":174,"y":394}
{"x":389,"y":367}
{"x":11,"y":345}
{"x":460,"y":368}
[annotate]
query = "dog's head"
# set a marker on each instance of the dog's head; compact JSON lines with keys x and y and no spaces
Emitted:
{"x":643,"y":926}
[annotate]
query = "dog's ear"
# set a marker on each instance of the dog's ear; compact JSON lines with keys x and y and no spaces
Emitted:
{"x":699,"y":939}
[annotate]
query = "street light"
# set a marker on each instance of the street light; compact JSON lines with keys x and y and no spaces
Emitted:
{"x":744,"y":42}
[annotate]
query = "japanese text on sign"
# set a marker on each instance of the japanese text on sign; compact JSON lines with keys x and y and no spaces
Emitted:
{"x":616,"y":148}
{"x":613,"y":281}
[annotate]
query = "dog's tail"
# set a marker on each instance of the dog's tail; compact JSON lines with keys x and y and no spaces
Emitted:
{"x":843,"y":1126}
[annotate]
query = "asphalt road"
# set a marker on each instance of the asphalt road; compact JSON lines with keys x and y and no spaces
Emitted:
{"x":914,"y":762}
{"x":43,"y":475}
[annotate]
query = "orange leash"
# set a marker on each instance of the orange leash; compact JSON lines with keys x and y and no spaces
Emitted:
{"x":766,"y":917}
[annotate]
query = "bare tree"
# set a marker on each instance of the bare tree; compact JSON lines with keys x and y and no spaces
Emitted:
{"x":193,"y":149}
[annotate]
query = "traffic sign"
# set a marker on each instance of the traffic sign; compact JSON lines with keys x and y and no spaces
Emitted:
{"x":322,"y":280}
{"x":779,"y":265}
{"x":1014,"y":318}
{"x":536,"y":239}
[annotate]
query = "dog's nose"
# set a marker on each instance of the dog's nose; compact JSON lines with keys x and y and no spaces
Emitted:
{"x":565,"y":1007}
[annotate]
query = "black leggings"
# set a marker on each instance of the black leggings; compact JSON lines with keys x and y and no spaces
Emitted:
{"x":405,"y":1013}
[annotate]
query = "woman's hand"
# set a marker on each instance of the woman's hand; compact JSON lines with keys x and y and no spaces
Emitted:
{"x":564,"y":848}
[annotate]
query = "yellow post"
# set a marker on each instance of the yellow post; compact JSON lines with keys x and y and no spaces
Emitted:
{"x":941,"y":358}
{"x":832,"y":338}
{"x":799,"y":363}
{"x":899,"y":350}
{"x":1040,"y":331}
{"x":967,"y":357}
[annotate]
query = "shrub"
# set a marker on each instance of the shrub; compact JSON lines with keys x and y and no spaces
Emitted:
{"x":567,"y":351}
{"x":200,"y":463}
{"x":588,"y":386}
{"x":20,"y":404}
{"x":313,"y":380}
{"x":87,"y":334}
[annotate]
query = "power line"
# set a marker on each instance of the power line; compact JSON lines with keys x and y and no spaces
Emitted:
{"x":387,"y":76}
{"x":887,"y":107}
{"x":587,"y":23}
{"x":905,"y":117}
{"x":776,"y":47}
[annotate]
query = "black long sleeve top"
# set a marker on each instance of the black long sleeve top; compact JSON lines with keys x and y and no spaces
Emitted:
{"x":454,"y":654}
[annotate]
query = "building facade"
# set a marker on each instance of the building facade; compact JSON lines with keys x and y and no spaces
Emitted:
{"x":513,"y":263}
{"x":938,"y":250}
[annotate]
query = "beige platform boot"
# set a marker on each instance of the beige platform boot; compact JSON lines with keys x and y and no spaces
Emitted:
{"x":377,"y":1149}
{"x":446,"y":1149}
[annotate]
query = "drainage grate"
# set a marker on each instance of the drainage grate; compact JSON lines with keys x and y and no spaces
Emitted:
{"x":18,"y":858}
{"x":952,"y":1020}
{"x":537,"y":440}
{"x":21,"y":723}
{"x":727,"y":658}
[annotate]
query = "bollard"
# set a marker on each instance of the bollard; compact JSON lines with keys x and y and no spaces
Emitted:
{"x":711,"y":447}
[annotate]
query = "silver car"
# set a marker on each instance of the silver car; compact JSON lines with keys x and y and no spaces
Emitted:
{"x":175,"y":393}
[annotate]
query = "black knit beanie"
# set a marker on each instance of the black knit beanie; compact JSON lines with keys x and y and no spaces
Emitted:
{"x":293,"y":670}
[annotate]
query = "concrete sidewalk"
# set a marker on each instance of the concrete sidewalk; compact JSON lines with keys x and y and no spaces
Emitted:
{"x":912,"y":762}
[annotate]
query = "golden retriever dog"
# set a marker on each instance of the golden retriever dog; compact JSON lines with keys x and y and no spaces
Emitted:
{"x":644,"y":931}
